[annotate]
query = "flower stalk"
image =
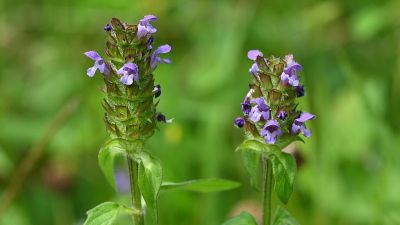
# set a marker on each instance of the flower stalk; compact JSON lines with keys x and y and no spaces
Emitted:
{"x":267,"y":191}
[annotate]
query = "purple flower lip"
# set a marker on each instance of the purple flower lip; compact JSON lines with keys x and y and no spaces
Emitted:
{"x":252,"y":55}
{"x":144,"y":26}
{"x":239,"y":122}
{"x":107,"y":27}
{"x":261,"y":104}
{"x":270,"y":131}
{"x":129,"y":72}
{"x":98,"y":64}
{"x":155,"y":59}
{"x":157,"y":91}
{"x":299,"y":124}
{"x":260,"y":110}
{"x":282,"y":115}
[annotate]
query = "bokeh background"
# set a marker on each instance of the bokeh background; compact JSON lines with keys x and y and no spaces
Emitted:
{"x":350,"y":51}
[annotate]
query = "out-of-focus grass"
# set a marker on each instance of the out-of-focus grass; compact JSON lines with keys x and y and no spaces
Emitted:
{"x":350,"y":52}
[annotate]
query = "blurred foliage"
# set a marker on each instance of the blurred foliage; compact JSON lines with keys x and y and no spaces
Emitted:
{"x":350,"y":52}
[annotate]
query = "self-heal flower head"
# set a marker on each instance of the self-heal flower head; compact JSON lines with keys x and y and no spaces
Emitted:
{"x":289,"y":74}
{"x":156,"y":59}
{"x":144,"y":27}
{"x":271,"y":131}
{"x":129,"y":72}
{"x":252,"y":55}
{"x":239,"y":122}
{"x":299,"y":124}
{"x":98,"y":64}
{"x":260,"y":110}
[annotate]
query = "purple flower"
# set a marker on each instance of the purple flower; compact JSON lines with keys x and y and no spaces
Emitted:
{"x":270,"y":131}
{"x":155,"y":59}
{"x":239,"y":122}
{"x":157,"y":91}
{"x":300,"y":91}
{"x":252,"y":55}
{"x":144,"y":26}
{"x":289,"y":74}
{"x":129,"y":72}
{"x":162,"y":118}
{"x":282,"y":115}
{"x":98,"y":64}
{"x":259,"y":110}
{"x":298,"y":124}
{"x":149,"y":43}
{"x":246,"y":107}
{"x":107,"y":27}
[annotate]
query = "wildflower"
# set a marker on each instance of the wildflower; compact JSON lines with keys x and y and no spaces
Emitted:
{"x":289,"y":74}
{"x":98,"y":64}
{"x":162,"y":118}
{"x":282,"y":115}
{"x":239,"y":122}
{"x":144,"y":26}
{"x":259,"y":110}
{"x":129,"y":72}
{"x":155,"y":59}
{"x":246,"y":107}
{"x":252,"y":55}
{"x":270,"y":131}
{"x":299,"y":126}
{"x":300,"y":91}
{"x":107,"y":27}
{"x":157,"y":91}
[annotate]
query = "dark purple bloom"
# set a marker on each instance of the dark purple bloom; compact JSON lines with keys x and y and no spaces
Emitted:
{"x":149,"y":43}
{"x":144,"y":26}
{"x":270,"y":131}
{"x":298,"y":124}
{"x":107,"y":27}
{"x":239,"y":122}
{"x":282,"y":115}
{"x":259,"y":110}
{"x":162,"y":118}
{"x":98,"y":64}
{"x":289,"y":74}
{"x":252,"y":55}
{"x":129,"y":72}
{"x":246,"y":107}
{"x":157,"y":91}
{"x":300,"y":91}
{"x":155,"y":59}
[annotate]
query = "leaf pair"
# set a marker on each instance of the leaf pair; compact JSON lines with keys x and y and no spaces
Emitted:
{"x":106,"y":213}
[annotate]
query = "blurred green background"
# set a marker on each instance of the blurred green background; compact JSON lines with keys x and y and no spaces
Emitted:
{"x":350,"y":52}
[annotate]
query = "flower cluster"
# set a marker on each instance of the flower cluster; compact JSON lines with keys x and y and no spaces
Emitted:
{"x":128,"y":75}
{"x":269,"y":108}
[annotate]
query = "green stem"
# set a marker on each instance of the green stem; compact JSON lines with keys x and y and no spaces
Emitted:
{"x":267,"y":191}
{"x":135,"y":191}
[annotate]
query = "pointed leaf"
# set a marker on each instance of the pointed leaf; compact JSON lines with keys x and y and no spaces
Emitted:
{"x":106,"y":213}
{"x":282,"y":217}
{"x":252,"y":163}
{"x":286,"y":140}
{"x":258,"y":146}
{"x":202,"y":185}
{"x":243,"y":218}
{"x":107,"y":154}
{"x":150,"y":179}
{"x":284,"y":171}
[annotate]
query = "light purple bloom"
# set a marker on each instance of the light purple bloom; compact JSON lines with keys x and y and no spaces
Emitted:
{"x":289,"y":74}
{"x":270,"y":131}
{"x":259,"y":110}
{"x":239,"y":122}
{"x":129,"y":72}
{"x":282,"y":115}
{"x":144,"y":26}
{"x":98,"y":64}
{"x":299,"y":126}
{"x":156,"y":59}
{"x":252,"y":55}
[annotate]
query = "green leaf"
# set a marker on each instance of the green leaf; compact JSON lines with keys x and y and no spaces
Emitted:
{"x":107,"y":154}
{"x":286,"y":140}
{"x":282,"y":217}
{"x":150,"y":179}
{"x":258,"y":146}
{"x":244,"y":218}
{"x":284,"y":171}
{"x":252,"y":163}
{"x":105,"y":213}
{"x":202,"y":185}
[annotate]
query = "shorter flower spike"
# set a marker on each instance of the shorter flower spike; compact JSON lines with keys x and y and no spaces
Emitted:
{"x":129,"y":72}
{"x":239,"y":122}
{"x":270,"y":131}
{"x":299,"y":124}
{"x":98,"y":64}
{"x":155,"y":59}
